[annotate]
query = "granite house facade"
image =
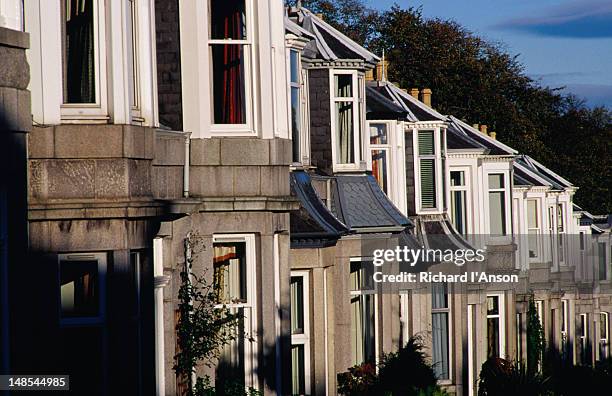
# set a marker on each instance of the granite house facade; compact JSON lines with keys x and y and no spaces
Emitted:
{"x":133,"y":131}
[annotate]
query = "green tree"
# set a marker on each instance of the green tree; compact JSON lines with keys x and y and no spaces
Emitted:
{"x":536,"y":342}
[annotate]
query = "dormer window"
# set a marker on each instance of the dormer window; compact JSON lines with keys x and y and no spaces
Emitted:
{"x":346,"y":106}
{"x":229,"y":48}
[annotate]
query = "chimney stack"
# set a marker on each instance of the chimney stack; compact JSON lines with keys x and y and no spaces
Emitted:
{"x":483,"y":129}
{"x":382,"y":68}
{"x":369,"y":75}
{"x":414,"y":92}
{"x":426,"y":96}
{"x":493,"y":135}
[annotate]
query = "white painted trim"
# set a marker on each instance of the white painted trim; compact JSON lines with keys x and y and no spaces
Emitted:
{"x":355,"y":99}
{"x":11,"y":14}
{"x":160,"y":350}
{"x":502,"y":321}
{"x":470,"y":348}
{"x":304,"y":339}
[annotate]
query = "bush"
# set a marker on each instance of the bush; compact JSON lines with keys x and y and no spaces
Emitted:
{"x":405,"y":372}
{"x":499,"y":377}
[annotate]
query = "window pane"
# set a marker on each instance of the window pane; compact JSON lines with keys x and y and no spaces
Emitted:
{"x":378,"y":133}
{"x":295,"y":123}
{"x":345,"y":143}
{"x":294,"y":59}
{"x":532,"y":214}
{"x":79,"y":288}
{"x":428,"y":183}
{"x":426,"y":142}
{"x":362,"y":328}
{"x":603,"y":325}
{"x":230,"y":370}
{"x":492,"y":305}
{"x":439,"y":329}
{"x":457,"y":178}
{"x":228,"y":84}
{"x":601,"y":247}
{"x":297,"y":305}
{"x":343,"y":84}
{"x":497,"y":213}
{"x":496,"y":180}
{"x":227,"y":19}
{"x":298,"y":372}
{"x":439,"y":295}
{"x":79,"y":60}
{"x":458,"y":211}
{"x":229,"y":264}
{"x":379,"y":168}
{"x":493,"y":337}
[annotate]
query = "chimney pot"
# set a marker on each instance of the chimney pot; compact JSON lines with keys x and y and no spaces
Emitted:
{"x":493,"y":135}
{"x":483,"y":129}
{"x":426,"y":96}
{"x":414,"y":92}
{"x":476,"y":126}
{"x":319,"y":15}
{"x":404,"y":90}
{"x":382,"y":68}
{"x":369,"y":75}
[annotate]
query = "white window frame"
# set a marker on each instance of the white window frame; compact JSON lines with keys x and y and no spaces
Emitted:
{"x":438,"y":171}
{"x":584,"y":335}
{"x":564,"y":323}
{"x":372,"y":292}
{"x":502,"y":321}
{"x":534,"y":231}
{"x":97,"y":111}
{"x":404,"y":316}
{"x":448,"y":311}
{"x":302,"y":86}
{"x":507,"y":196}
{"x":468,"y":197}
{"x":358,"y":108}
{"x":248,"y":128}
{"x":101,"y":258}
{"x":561,"y":231}
{"x":250,"y":316}
{"x":388,"y":149}
{"x":304,"y":338}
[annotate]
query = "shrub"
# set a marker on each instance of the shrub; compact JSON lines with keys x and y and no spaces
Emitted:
{"x":499,"y":377}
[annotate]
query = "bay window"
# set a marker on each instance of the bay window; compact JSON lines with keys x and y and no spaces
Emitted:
{"x":496,"y":326}
{"x":229,"y":49}
{"x":380,"y":150}
{"x":363,"y":315}
{"x":497,"y":204}
{"x":440,"y":312}
{"x":346,"y":106}
{"x":300,"y":330}
{"x":234,"y":287}
{"x":458,"y":201}
{"x":533,"y":227}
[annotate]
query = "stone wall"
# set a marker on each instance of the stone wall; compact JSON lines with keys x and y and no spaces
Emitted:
{"x":169,"y":64}
{"x":320,"y":120}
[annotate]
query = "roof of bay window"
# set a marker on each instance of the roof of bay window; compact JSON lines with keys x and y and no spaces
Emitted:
{"x":358,"y":202}
{"x":329,"y":44}
{"x":294,"y":28}
{"x":495,"y":147}
{"x":543,"y":175}
{"x":415,"y":109}
{"x":456,"y":139}
{"x":378,"y":107}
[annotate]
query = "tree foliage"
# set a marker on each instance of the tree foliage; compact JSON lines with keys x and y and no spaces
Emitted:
{"x":480,"y":82}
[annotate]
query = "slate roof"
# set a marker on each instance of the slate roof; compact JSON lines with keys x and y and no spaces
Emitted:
{"x":358,"y":202}
{"x":329,"y":44}
{"x":378,"y":107}
{"x":313,"y":225}
{"x":494,"y":146}
{"x":539,"y":175}
{"x":416,"y":110}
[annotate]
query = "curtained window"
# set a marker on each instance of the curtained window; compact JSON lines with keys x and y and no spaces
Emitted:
{"x":229,"y":47}
{"x":380,"y":151}
{"x":296,"y":98}
{"x":79,"y":74}
{"x":533,"y":227}
{"x":440,"y":312}
{"x":346,"y":100}
{"x":363,"y":329}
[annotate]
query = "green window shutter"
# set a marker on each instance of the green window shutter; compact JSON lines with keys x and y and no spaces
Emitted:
{"x":428,"y":184}
{"x":426,"y":142}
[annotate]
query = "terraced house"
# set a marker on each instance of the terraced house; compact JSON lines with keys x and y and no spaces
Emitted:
{"x":269,"y":149}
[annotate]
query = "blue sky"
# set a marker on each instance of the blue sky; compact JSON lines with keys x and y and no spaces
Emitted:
{"x":561,"y":42}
